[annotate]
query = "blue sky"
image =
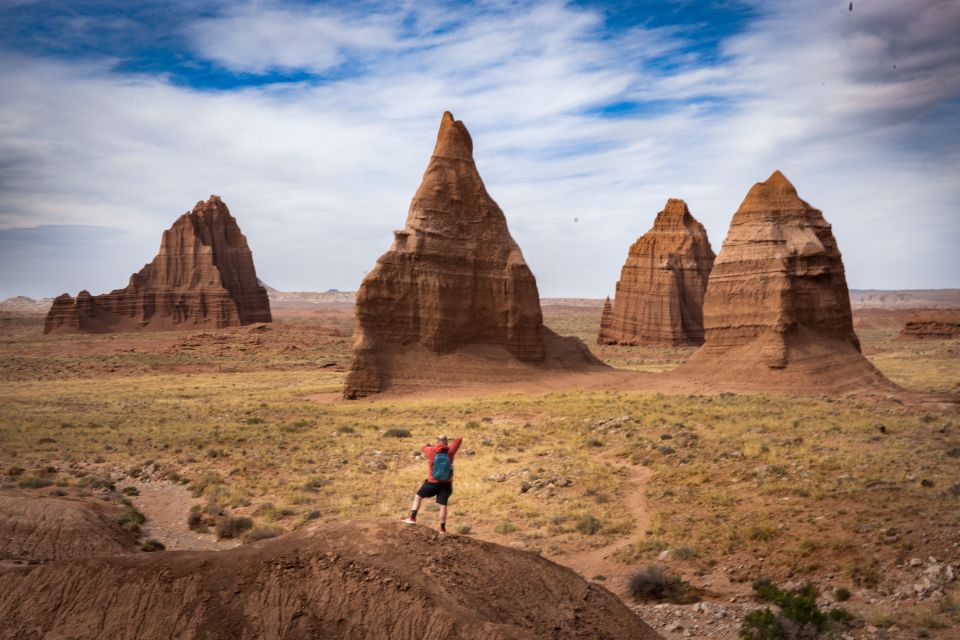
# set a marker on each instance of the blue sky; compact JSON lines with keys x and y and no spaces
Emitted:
{"x":314,"y":122}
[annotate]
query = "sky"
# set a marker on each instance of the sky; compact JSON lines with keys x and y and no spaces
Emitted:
{"x":314,"y":121}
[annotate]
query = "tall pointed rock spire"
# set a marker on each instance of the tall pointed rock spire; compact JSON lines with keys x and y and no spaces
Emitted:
{"x":453,"y":277}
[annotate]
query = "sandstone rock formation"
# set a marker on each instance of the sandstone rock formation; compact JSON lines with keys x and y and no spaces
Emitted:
{"x":659,"y":299}
{"x":453,"y":277}
{"x":203,"y":277}
{"x":930,"y":330}
{"x":777,"y":309}
{"x":373,"y":580}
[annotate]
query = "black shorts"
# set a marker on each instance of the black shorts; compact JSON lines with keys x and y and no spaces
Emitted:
{"x":442,"y":490}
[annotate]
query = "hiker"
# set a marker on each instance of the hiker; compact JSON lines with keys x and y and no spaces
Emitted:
{"x":439,"y":480}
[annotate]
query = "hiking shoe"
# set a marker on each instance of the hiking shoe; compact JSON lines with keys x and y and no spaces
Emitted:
{"x":408,"y":521}
{"x":442,"y":533}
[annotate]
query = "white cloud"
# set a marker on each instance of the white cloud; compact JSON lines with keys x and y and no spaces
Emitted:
{"x":319,"y":175}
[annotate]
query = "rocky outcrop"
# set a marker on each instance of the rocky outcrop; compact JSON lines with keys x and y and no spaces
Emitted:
{"x":659,"y":299}
{"x":930,"y":330}
{"x":777,"y":309}
{"x":203,"y":277}
{"x":373,"y":580}
{"x":453,"y":277}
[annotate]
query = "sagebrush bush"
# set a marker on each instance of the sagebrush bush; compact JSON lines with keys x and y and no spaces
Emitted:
{"x":652,"y":583}
{"x":152,"y":545}
{"x":395,"y":432}
{"x":588,"y":525}
{"x":231,"y":526}
{"x":131,"y":519}
{"x":263,"y":533}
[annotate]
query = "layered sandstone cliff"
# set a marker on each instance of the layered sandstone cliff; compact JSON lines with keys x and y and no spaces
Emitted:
{"x":777,"y":309}
{"x":203,"y":277}
{"x":453,"y":277}
{"x":659,"y":297}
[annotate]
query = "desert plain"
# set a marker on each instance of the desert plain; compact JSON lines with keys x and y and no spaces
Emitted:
{"x":206,"y":440}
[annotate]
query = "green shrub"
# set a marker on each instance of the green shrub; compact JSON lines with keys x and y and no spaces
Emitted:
{"x":130,"y":519}
{"x":312,"y":515}
{"x":131,"y":491}
{"x":593,"y":442}
{"x":473,"y":424}
{"x":464,"y":529}
{"x":761,"y":624}
{"x":588,"y":525}
{"x":231,"y":527}
{"x":842,"y":594}
{"x":194,"y":518}
{"x":505,"y":527}
{"x":395,"y":432}
{"x":651,"y":583}
{"x":152,"y":545}
{"x":839,"y":614}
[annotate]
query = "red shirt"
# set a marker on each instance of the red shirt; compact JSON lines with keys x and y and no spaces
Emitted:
{"x":431,"y":452}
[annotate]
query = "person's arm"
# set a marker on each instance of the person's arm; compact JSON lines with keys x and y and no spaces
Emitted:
{"x":455,"y":445}
{"x":425,"y":450}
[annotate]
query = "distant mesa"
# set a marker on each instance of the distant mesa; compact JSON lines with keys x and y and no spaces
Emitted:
{"x":659,"y":297}
{"x":203,"y":277}
{"x":453,"y":279}
{"x":930,"y":330}
{"x":777,"y":309}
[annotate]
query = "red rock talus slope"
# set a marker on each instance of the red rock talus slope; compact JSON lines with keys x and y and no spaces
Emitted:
{"x":354,"y":580}
{"x":453,"y":277}
{"x":659,"y":298}
{"x":203,"y":277}
{"x":42,"y":529}
{"x":777,"y":311}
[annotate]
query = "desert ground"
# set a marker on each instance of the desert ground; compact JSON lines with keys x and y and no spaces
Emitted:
{"x":204,"y":440}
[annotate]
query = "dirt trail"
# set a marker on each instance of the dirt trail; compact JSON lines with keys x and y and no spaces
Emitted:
{"x":166,"y":507}
{"x":601,"y":560}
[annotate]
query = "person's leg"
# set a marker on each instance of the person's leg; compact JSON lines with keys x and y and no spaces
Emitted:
{"x":412,"y":518}
{"x":443,"y":518}
{"x":442,"y":498}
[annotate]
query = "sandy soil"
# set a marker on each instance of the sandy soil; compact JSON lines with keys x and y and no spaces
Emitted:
{"x":166,"y":506}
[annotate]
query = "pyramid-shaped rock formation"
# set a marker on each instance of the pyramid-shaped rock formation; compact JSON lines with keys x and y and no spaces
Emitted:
{"x":453,"y":277}
{"x":777,"y":309}
{"x":203,"y":277}
{"x":659,"y":299}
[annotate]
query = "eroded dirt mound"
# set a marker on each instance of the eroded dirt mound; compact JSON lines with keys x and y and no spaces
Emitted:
{"x":351,"y":580}
{"x":44,"y":528}
{"x":415,"y":369}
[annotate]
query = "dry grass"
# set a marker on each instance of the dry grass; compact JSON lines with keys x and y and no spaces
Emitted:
{"x":786,"y":487}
